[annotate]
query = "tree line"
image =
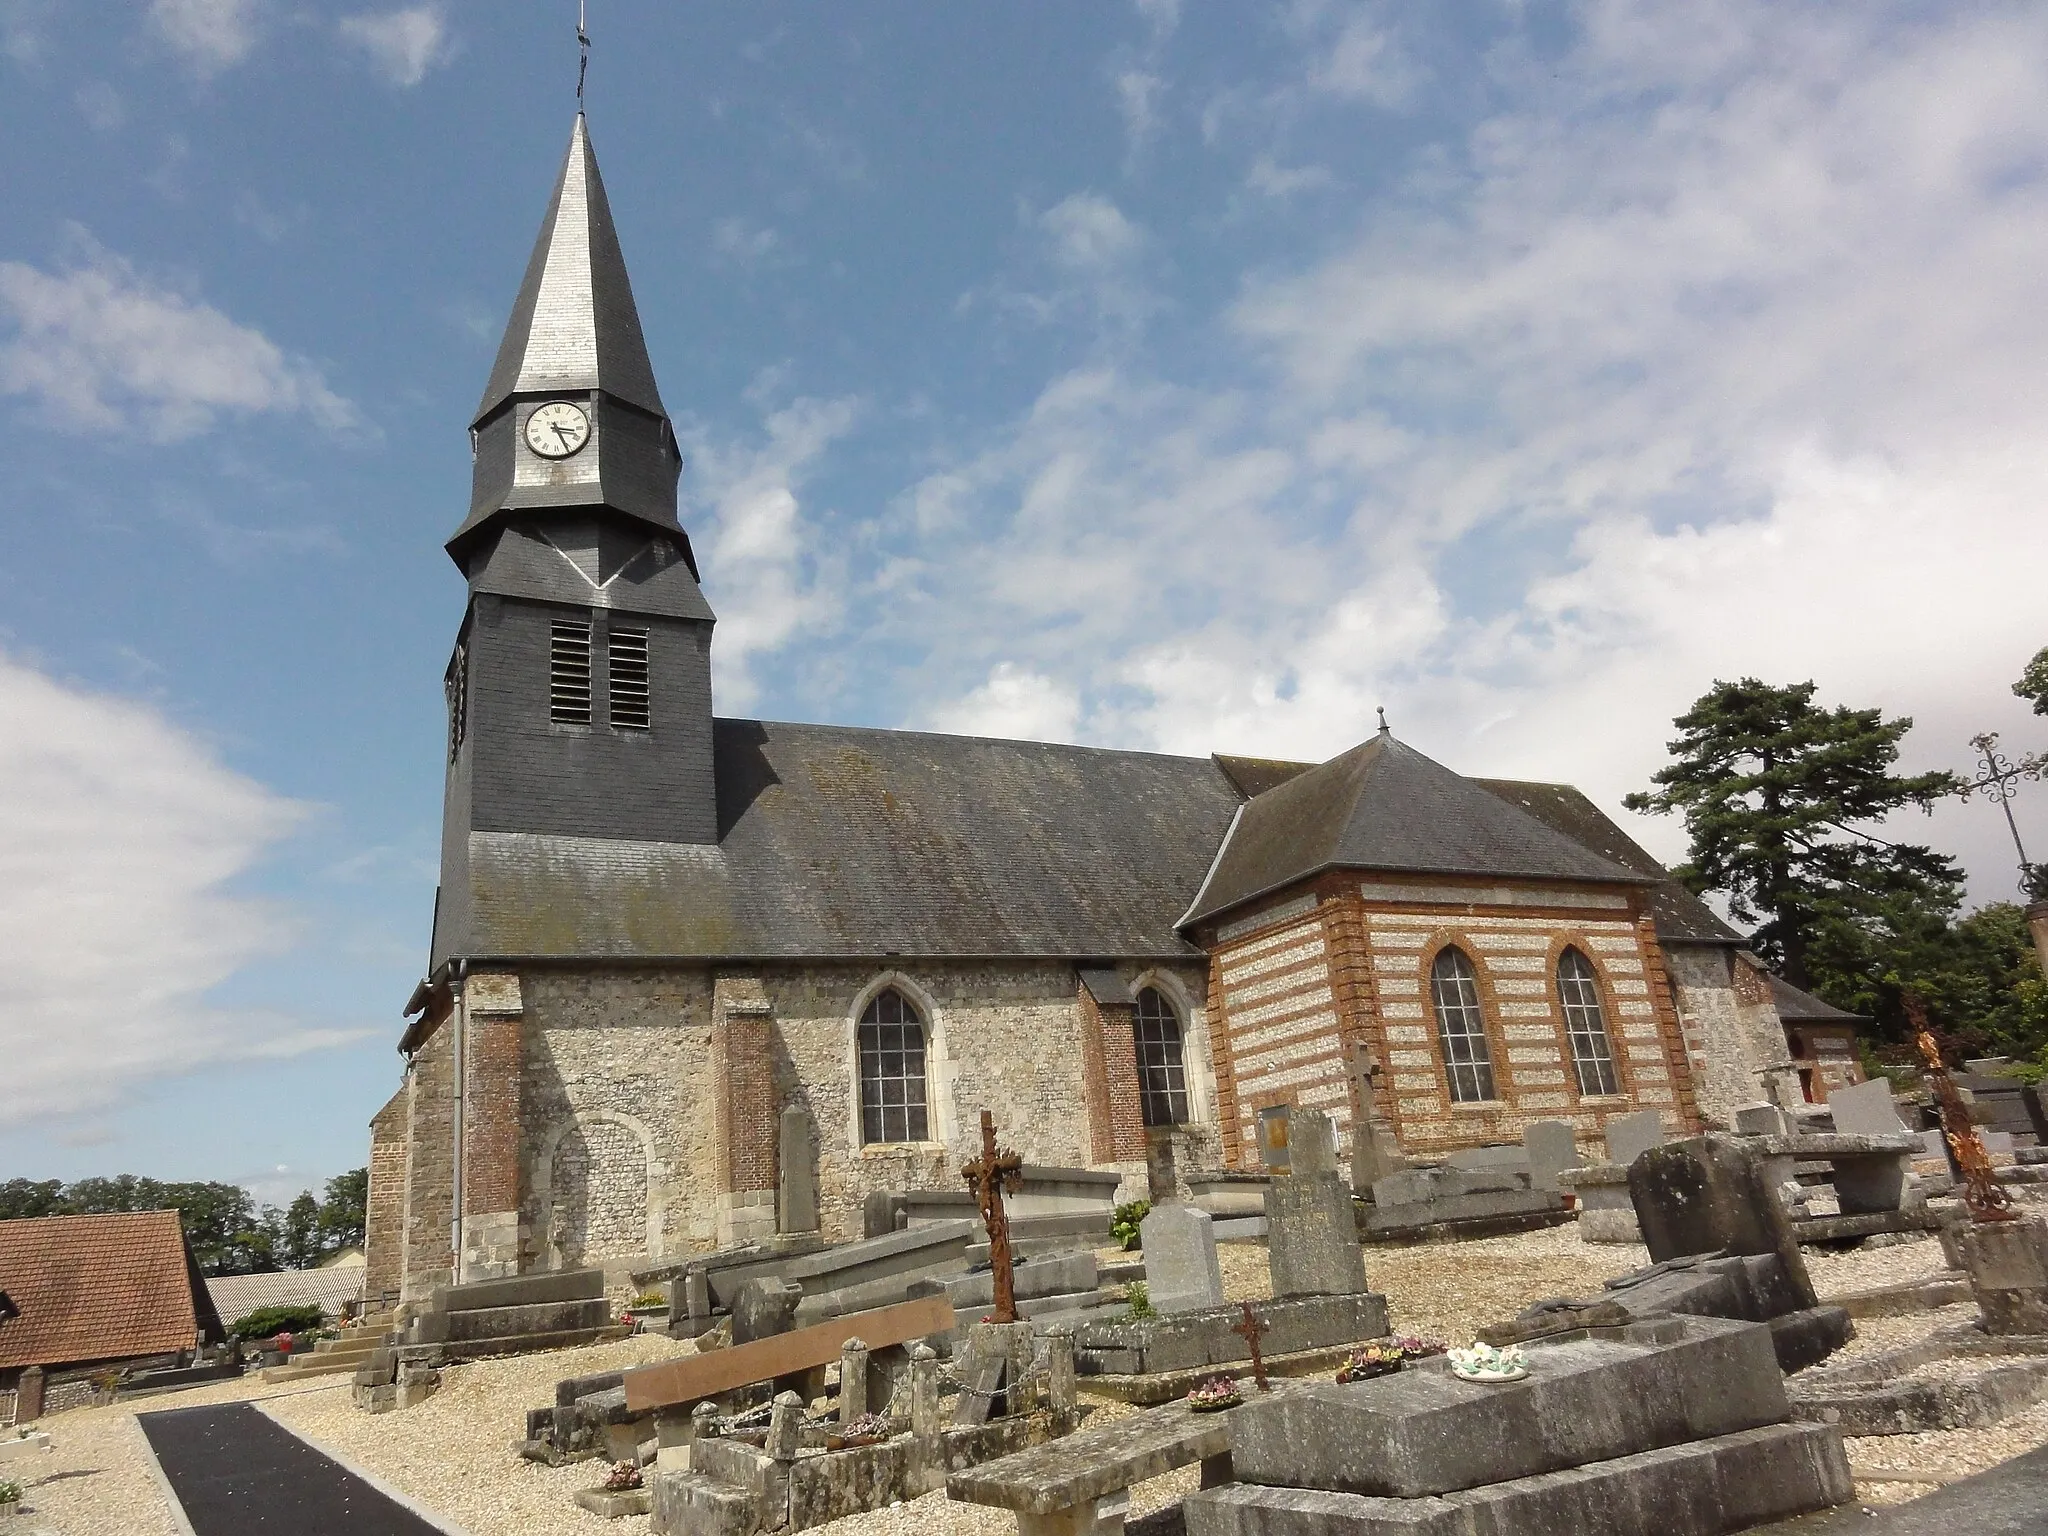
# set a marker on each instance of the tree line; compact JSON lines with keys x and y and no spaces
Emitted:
{"x":1782,"y":799}
{"x":229,"y":1233}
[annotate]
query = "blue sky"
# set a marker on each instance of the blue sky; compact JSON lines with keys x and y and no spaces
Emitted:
{"x":1185,"y":377}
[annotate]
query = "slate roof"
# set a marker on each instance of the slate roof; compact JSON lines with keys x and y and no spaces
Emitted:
{"x":236,"y":1296}
{"x":114,"y":1287}
{"x":1797,"y":1007}
{"x":847,"y":841}
{"x":1681,"y":916}
{"x":1384,"y":806}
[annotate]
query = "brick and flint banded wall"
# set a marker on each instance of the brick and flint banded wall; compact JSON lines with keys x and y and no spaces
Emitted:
{"x":1346,"y":965}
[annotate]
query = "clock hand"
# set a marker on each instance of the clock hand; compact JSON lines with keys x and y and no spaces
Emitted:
{"x":559,"y":431}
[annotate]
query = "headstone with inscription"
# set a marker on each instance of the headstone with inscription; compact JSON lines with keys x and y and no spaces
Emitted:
{"x":1867,"y":1109}
{"x":796,"y":1194}
{"x":1630,"y":1136}
{"x":1552,"y":1147}
{"x":1312,"y":1244}
{"x":1312,"y":1144}
{"x":1275,"y":1133}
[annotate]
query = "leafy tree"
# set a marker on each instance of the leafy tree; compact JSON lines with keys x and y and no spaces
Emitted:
{"x":2033,"y":683}
{"x":21,"y":1198}
{"x":1771,"y":786}
{"x":344,"y":1213}
{"x":298,"y":1236}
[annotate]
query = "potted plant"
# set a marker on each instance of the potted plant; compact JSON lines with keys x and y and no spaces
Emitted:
{"x":624,"y":1477}
{"x":1214,"y":1395}
{"x":10,"y":1498}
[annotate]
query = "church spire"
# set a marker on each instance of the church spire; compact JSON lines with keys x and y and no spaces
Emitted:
{"x":574,"y":347}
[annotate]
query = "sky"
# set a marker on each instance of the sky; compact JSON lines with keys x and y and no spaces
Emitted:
{"x":1178,"y":376}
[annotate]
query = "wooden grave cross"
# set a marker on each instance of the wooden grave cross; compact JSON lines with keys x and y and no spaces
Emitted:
{"x":989,"y":1176}
{"x":1249,"y":1330}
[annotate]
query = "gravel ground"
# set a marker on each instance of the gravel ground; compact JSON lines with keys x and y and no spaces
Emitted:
{"x":454,"y":1455}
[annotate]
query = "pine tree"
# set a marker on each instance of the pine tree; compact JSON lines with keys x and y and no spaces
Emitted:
{"x":2033,"y":683}
{"x":1773,"y":788}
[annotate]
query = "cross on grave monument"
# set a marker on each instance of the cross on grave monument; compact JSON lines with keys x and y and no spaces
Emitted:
{"x":990,"y":1176}
{"x":1982,"y":1195}
{"x":1249,"y":1330}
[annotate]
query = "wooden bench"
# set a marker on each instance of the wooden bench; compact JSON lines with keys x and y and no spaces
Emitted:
{"x":1081,"y":1485}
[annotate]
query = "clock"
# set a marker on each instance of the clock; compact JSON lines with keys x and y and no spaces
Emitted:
{"x":557,"y":429}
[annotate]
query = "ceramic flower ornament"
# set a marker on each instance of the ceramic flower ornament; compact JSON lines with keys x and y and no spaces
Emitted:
{"x":1482,"y":1362}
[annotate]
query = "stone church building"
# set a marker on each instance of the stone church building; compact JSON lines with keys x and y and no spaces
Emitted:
{"x":658,"y":928}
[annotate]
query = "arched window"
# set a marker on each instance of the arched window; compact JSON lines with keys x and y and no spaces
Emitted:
{"x":1461,"y":1027}
{"x":892,"y":1096}
{"x":1585,"y":1024}
{"x":1162,"y":1074}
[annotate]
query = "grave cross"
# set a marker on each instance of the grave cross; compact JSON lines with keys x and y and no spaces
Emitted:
{"x":1985,"y":1198}
{"x":990,"y":1176}
{"x":1249,"y":1330}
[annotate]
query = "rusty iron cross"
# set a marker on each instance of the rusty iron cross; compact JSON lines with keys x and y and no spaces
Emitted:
{"x":990,"y":1176}
{"x":1982,"y":1194}
{"x":1249,"y":1330}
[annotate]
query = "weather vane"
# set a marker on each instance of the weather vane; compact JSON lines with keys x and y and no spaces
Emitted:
{"x":1999,"y":781}
{"x":583,"y":50}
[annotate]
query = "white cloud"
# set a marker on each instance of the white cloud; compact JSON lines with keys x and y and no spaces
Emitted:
{"x":210,"y":35}
{"x":1088,"y":232}
{"x":404,"y":44}
{"x":1137,"y":96}
{"x":1718,"y":355}
{"x":1015,"y":703}
{"x":769,"y":574}
{"x":102,"y":346}
{"x":120,"y":837}
{"x":1275,"y":180}
{"x":24,"y":29}
{"x":100,"y":105}
{"x":1162,"y":15}
{"x":743,"y":242}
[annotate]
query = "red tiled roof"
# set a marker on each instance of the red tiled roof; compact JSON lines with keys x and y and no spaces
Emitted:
{"x":95,"y":1288}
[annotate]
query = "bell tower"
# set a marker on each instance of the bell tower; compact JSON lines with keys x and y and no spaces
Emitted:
{"x":579,"y":692}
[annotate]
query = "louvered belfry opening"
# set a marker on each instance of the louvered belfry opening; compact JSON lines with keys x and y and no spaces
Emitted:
{"x":569,"y":673}
{"x":626,"y":653}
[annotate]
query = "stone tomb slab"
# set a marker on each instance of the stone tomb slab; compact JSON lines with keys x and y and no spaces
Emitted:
{"x":1195,"y":1340}
{"x":1701,"y":1488}
{"x":1712,"y":1194}
{"x":1588,"y":1397}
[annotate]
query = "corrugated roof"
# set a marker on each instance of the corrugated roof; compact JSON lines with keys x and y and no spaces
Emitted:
{"x":841,"y":840}
{"x":112,"y":1287}
{"x":236,"y":1296}
{"x":1679,"y":914}
{"x":1384,"y":806}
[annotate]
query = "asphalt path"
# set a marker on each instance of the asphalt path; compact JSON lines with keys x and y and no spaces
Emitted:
{"x":237,"y":1470}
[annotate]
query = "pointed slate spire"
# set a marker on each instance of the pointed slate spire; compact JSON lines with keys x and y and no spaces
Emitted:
{"x":574,"y":337}
{"x":574,"y":326}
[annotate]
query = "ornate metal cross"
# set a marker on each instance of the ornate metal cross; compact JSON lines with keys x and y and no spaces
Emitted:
{"x":990,"y":1176}
{"x":1999,"y":781}
{"x":1249,"y":1330}
{"x":1987,"y":1201}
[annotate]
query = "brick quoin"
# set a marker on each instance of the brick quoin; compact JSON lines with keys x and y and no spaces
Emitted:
{"x":1094,"y":1079}
{"x":490,"y":1158}
{"x":1120,"y":1068}
{"x":746,"y":1112}
{"x":1677,"y":1059}
{"x":430,"y":1170}
{"x":384,"y":1213}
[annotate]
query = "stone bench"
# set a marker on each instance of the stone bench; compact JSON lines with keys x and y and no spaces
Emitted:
{"x":1606,"y":1213}
{"x":1081,"y":1485}
{"x":1868,"y":1172}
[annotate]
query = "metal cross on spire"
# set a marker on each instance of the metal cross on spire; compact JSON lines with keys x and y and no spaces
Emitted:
{"x":583,"y":51}
{"x":1999,"y":781}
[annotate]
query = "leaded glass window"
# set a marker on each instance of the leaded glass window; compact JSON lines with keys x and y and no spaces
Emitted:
{"x":1585,"y":1024}
{"x":1461,"y":1027}
{"x":1162,"y":1073}
{"x":892,"y":1093}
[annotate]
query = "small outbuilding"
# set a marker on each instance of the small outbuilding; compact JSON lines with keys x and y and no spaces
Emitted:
{"x":93,"y":1295}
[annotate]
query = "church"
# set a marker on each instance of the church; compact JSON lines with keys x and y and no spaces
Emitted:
{"x":658,"y":929}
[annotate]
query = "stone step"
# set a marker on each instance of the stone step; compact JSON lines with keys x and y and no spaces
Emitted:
{"x":345,"y":1344}
{"x":690,"y":1501}
{"x":521,"y":1291}
{"x":503,"y":1322}
{"x":301,"y":1366}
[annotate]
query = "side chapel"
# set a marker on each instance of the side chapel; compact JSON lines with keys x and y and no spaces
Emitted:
{"x":658,"y":928}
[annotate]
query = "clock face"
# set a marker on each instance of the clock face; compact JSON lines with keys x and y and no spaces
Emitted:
{"x":557,"y":429}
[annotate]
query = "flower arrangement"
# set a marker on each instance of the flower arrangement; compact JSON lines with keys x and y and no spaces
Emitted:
{"x":1217,"y":1393}
{"x":1482,"y":1362}
{"x":865,"y":1429}
{"x":1413,"y":1348}
{"x":1375,"y":1359}
{"x":624,"y":1477}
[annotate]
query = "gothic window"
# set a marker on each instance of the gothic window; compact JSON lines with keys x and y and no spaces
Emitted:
{"x":1585,"y":1024}
{"x":1461,"y":1027}
{"x":458,"y":699}
{"x":892,"y":1095}
{"x":1162,"y":1074}
{"x":626,"y":658}
{"x":569,"y":673}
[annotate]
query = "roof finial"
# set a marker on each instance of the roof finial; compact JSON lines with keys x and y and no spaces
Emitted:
{"x":1385,"y":729}
{"x":583,"y":51}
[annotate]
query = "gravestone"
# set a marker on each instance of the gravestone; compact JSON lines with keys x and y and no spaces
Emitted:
{"x":1274,"y":1135}
{"x":1630,"y":1136}
{"x":763,"y":1308}
{"x":1866,"y":1110}
{"x":1181,"y":1269}
{"x":796,"y":1193}
{"x":1552,"y":1146}
{"x":1312,"y":1237}
{"x":1711,"y":1194}
{"x":1311,"y":1144}
{"x":1162,"y":1180}
{"x":1375,"y":1153}
{"x":1761,"y":1120}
